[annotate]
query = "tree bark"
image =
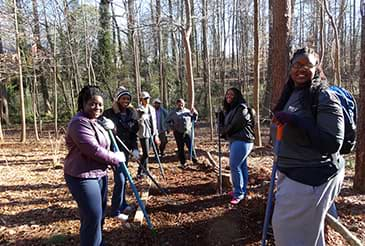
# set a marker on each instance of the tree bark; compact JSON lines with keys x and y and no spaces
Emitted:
{"x":359,"y":179}
{"x":206,"y":68}
{"x":188,"y":60}
{"x":256,"y":95}
{"x":281,"y":37}
{"x":23,"y":136}
{"x":135,"y":47}
{"x":337,"y":67}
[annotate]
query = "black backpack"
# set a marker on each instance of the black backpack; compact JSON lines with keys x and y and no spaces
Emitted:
{"x":349,"y":109}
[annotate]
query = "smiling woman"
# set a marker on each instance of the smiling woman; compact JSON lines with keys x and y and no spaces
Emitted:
{"x":311,"y":169}
{"x":85,"y":167}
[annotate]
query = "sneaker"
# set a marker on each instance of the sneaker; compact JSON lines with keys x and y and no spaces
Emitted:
{"x":122,"y":217}
{"x":231,"y":194}
{"x":235,"y":200}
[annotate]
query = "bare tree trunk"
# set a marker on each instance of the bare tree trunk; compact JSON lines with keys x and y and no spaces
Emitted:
{"x":37,"y":41}
{"x":134,"y":43}
{"x":21,"y":87}
{"x":256,"y":95}
{"x":206,"y":75}
{"x":163,"y":86}
{"x":353,"y":52}
{"x":281,"y":37}
{"x":55,"y":95}
{"x":359,"y":179}
{"x":337,"y":44}
{"x":188,"y":60}
{"x":224,"y":39}
{"x":34,"y":103}
{"x":321,"y":55}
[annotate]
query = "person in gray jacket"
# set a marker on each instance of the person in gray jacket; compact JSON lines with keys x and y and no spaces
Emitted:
{"x":310,"y":168}
{"x":147,"y":131}
{"x":180,"y":121}
{"x":161,"y":114}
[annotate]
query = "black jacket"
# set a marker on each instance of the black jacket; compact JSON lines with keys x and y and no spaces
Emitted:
{"x":238,"y":124}
{"x":126,"y":126}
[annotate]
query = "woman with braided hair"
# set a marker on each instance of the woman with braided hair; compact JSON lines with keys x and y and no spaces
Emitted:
{"x":310,"y":167}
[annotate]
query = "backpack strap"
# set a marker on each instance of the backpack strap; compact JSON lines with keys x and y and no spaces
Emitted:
{"x":314,"y":99}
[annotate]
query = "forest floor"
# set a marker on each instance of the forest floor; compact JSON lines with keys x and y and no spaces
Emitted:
{"x":37,"y":209}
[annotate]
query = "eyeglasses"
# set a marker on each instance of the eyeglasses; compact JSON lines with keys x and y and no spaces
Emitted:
{"x":299,"y":66}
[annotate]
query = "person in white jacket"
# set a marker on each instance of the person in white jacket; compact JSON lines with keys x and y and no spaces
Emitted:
{"x":147,"y":129}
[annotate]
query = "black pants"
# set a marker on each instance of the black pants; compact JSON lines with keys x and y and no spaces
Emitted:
{"x":163,"y":138}
{"x":181,"y":140}
{"x":146,"y":145}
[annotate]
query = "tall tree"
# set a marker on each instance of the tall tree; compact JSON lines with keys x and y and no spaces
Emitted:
{"x":133,"y":41}
{"x":38,"y":69}
{"x":105,"y":50}
{"x":256,"y":95}
{"x":206,"y":67}
{"x":337,"y":45}
{"x":188,"y":60}
{"x":23,"y":136}
{"x":280,"y":37}
{"x":359,"y":179}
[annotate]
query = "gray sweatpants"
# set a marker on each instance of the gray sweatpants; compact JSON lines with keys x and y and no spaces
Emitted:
{"x":300,"y":210}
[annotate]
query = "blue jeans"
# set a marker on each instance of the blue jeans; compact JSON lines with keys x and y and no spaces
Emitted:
{"x":118,"y":198}
{"x":91,"y":198}
{"x":239,"y":151}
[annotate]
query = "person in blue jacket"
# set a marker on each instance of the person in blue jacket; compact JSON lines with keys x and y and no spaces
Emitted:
{"x":310,"y":167}
{"x":161,"y":114}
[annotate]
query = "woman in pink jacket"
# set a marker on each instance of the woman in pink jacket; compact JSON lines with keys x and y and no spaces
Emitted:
{"x":85,"y":166}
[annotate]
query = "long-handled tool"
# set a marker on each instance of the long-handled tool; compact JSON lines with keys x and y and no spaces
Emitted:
{"x":279,"y":135}
{"x":219,"y":156}
{"x":192,"y":140}
{"x":154,"y":149}
{"x":163,"y":191}
{"x":136,"y":194}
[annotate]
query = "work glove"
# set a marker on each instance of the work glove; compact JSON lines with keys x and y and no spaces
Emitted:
{"x":286,"y":118}
{"x":106,"y":123}
{"x":135,"y":154}
{"x":305,"y":123}
{"x":120,"y":156}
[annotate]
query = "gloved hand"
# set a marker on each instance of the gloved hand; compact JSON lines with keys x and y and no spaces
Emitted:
{"x":135,"y":154}
{"x":106,"y":123}
{"x":286,"y":118}
{"x":120,"y":156}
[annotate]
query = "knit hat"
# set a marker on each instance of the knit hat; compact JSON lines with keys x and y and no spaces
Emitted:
{"x":122,"y":91}
{"x":145,"y":95}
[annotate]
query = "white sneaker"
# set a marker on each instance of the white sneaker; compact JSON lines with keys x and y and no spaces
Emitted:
{"x":122,"y":217}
